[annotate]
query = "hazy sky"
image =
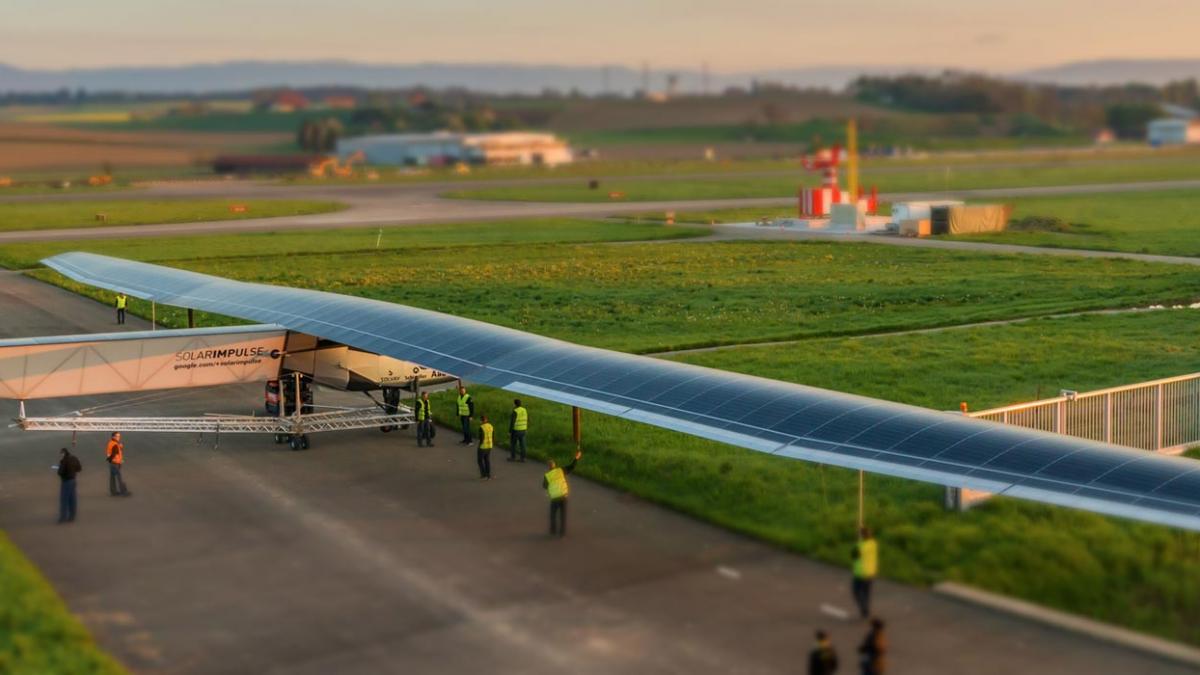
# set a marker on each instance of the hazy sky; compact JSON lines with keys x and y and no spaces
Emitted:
{"x":731,"y":35}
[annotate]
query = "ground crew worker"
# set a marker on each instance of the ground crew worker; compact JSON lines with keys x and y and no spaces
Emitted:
{"x":822,"y":660}
{"x":555,"y":484}
{"x":424,"y":421}
{"x":115,"y":454}
{"x":68,"y":467}
{"x":466,"y":410}
{"x":122,"y":301}
{"x":865,"y":567}
{"x":518,"y":423}
{"x":872,"y":653}
{"x":483,"y":453}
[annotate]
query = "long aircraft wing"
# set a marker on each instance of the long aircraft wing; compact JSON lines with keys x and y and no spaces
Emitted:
{"x":789,"y":420}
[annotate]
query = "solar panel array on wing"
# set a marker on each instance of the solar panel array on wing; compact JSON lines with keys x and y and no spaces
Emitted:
{"x":765,"y":415}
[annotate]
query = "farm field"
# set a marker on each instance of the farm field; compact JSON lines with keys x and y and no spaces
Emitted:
{"x":645,"y":297}
{"x":38,"y":634}
{"x":651,"y":297}
{"x":925,"y":179}
{"x":30,"y":147}
{"x":58,"y":215}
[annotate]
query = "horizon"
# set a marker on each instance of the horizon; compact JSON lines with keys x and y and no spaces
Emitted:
{"x":633,"y":66}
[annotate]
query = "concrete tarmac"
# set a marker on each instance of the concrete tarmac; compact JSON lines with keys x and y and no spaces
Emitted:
{"x":366,"y":554}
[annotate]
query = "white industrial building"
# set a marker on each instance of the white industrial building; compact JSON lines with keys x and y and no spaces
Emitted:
{"x":443,"y":147}
{"x":1173,"y":131}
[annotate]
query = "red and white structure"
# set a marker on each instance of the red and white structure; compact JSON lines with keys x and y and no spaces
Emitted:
{"x":817,"y":202}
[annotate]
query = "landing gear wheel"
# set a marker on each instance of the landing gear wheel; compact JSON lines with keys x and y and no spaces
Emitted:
{"x":294,"y":443}
{"x":304,"y":442}
{"x":279,"y":439}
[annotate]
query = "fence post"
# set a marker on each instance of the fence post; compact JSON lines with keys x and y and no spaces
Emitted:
{"x":1108,"y":420}
{"x":1158,"y":418}
{"x":1059,"y":412}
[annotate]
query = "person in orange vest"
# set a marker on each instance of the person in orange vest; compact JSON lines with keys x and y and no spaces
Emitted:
{"x":115,"y":454}
{"x":555,"y":484}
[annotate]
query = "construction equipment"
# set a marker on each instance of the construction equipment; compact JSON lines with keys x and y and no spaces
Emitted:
{"x":331,"y":166}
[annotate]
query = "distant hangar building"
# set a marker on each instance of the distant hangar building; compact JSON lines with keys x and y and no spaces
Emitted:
{"x":443,"y":148}
{"x":1173,"y":131}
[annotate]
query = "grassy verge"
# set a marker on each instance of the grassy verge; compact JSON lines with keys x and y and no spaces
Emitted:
{"x":650,"y":297}
{"x":37,"y":633}
{"x":1166,"y":222}
{"x":58,"y":215}
{"x":367,"y":241}
{"x":645,"y":297}
{"x":1118,"y":571}
{"x":918,"y":179}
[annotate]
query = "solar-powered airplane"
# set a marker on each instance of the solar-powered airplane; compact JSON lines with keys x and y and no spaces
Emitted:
{"x":769,"y":416}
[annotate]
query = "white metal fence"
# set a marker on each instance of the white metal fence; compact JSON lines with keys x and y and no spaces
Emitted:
{"x":1160,"y":415}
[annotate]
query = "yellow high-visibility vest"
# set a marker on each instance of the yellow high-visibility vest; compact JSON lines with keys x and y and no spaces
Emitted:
{"x":556,"y":483}
{"x":866,"y":565}
{"x":464,"y":407}
{"x":521,"y":423}
{"x":422,"y":409}
{"x":121,"y":300}
{"x":485,"y":436}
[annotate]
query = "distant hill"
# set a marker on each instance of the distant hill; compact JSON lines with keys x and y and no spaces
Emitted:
{"x":1115,"y":71}
{"x":494,"y":78}
{"x":521,"y":78}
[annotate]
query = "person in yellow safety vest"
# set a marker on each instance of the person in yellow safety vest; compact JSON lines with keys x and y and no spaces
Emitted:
{"x":424,"y":413}
{"x":483,"y":453}
{"x":466,"y":410}
{"x":865,"y":567}
{"x":122,"y":301}
{"x":114,"y":452}
{"x":555,"y":484}
{"x":518,"y":424}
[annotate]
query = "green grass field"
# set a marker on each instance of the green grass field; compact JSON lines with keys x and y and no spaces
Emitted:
{"x":647,"y":297}
{"x":1166,"y":222}
{"x":58,"y":215}
{"x":394,"y":242}
{"x":915,"y":179}
{"x":38,"y":635}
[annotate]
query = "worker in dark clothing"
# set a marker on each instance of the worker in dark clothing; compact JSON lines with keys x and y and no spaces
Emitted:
{"x":555,"y":484}
{"x":424,"y":421}
{"x":518,"y":424}
{"x":466,"y":410}
{"x":865,"y":557}
{"x":822,"y":660}
{"x":122,"y":302}
{"x":873,"y":650}
{"x":483,"y":453}
{"x":68,"y":467}
{"x":115,"y":454}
